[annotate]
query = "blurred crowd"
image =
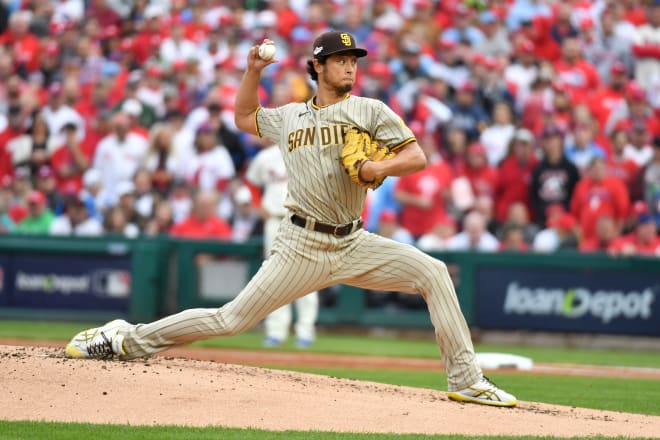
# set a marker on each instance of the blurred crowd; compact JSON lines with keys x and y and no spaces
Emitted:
{"x":540,"y":119}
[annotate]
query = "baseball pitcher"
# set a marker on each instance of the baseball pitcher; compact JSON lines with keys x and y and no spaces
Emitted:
{"x":335,"y":146}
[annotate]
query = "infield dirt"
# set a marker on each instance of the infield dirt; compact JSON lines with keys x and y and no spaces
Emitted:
{"x":40,"y":384}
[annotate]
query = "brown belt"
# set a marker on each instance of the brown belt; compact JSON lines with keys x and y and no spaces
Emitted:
{"x":336,"y":230}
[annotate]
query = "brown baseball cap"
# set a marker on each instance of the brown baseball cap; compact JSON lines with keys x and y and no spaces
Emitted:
{"x":334,"y":42}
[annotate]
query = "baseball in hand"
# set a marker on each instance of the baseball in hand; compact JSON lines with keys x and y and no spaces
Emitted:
{"x":266,"y":51}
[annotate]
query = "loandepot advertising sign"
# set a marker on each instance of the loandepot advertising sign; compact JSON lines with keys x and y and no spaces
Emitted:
{"x":572,"y":300}
{"x":91,"y":283}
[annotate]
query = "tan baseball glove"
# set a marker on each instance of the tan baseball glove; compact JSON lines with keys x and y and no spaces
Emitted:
{"x":358,"y":149}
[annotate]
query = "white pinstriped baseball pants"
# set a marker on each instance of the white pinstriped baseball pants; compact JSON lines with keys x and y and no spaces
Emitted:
{"x":277,"y":323}
{"x":304,"y":261}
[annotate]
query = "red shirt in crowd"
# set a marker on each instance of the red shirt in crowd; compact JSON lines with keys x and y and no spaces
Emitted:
{"x":192,"y":227}
{"x":484,"y":180}
{"x":623,"y":169}
{"x":430,"y":183}
{"x":26,"y":49}
{"x":6,"y":166}
{"x":604,"y":101}
{"x":513,"y":185}
{"x":635,"y":247}
{"x":67,"y":173}
{"x":146,"y":44}
{"x":592,"y":199}
{"x":580,"y":79}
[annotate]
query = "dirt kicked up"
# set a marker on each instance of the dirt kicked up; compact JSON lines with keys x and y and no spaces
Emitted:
{"x":40,"y":384}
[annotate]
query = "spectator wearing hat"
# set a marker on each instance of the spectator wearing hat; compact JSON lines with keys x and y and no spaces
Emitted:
{"x":619,"y":166}
{"x":452,"y":63}
{"x":423,"y":195}
{"x":50,"y":62}
{"x":133,"y":108}
{"x":411,"y":64}
{"x":576,"y":74}
{"x":210,"y":167}
{"x":226,"y":134}
{"x":522,"y":72}
{"x":638,"y":149}
{"x":95,"y":197}
{"x":638,"y":111}
{"x":582,"y":149}
{"x":597,"y":194}
{"x":483,"y":178}
{"x":498,"y":135}
{"x":495,"y":41}
{"x":151,"y":35}
{"x":467,"y":113}
{"x":377,"y":84}
{"x":46,"y":183}
{"x":203,"y":222}
{"x":515,"y":174}
{"x":389,"y":226}
{"x":558,"y":235}
{"x":119,"y":154}
{"x":70,"y":160}
{"x":143,"y":111}
{"x":75,"y":220}
{"x":646,"y":49}
{"x":610,"y":97}
{"x":651,"y":181}
{"x":554,"y":178}
{"x":245,"y":220}
{"x":474,"y":237}
{"x":57,"y":114}
{"x":151,"y":91}
{"x":39,"y":217}
{"x":607,"y":231}
{"x":642,"y":241}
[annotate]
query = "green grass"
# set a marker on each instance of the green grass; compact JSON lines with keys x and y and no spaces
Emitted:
{"x":70,"y":431}
{"x":628,"y":395}
{"x":362,"y":345}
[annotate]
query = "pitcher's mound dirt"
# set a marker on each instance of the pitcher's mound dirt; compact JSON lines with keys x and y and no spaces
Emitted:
{"x":39,"y":384}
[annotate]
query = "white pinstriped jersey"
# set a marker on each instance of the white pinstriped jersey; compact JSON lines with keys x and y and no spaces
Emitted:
{"x":318,"y":185}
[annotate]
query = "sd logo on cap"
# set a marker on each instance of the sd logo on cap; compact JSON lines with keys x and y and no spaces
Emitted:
{"x":334,"y":42}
